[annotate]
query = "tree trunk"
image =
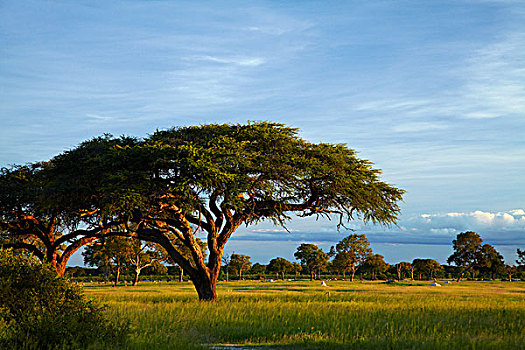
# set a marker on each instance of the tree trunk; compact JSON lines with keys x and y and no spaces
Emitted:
{"x":311,"y":275}
{"x":344,"y":276}
{"x":283,"y":275}
{"x":352,"y":275}
{"x":181,"y":279}
{"x":136,"y":280}
{"x":61,"y":269}
{"x":462,"y":272}
{"x":206,"y":286}
{"x":227,"y":275}
{"x":117,"y":276}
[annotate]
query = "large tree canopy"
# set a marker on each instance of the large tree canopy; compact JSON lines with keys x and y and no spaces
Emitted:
{"x":208,"y":180}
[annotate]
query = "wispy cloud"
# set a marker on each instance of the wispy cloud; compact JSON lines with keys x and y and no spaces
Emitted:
{"x":239,"y":61}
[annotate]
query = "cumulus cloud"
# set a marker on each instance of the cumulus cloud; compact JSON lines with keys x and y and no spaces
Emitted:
{"x":511,"y":220}
{"x":495,"y":227}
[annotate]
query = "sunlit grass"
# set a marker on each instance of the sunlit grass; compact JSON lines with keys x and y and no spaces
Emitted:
{"x":304,"y":315}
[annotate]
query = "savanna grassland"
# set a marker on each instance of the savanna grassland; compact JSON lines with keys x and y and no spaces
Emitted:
{"x":304,"y":315}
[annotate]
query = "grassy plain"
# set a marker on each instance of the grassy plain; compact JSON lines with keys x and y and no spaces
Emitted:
{"x":304,"y":315}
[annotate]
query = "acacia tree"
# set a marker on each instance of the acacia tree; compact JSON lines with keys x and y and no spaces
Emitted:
{"x":467,"y":247}
{"x":312,"y":258}
{"x":280,"y":266}
{"x":240,"y":263}
{"x":351,"y":252}
{"x":210,"y":179}
{"x":142,"y":255}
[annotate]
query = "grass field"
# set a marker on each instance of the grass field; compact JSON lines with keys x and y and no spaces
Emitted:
{"x":304,"y":315}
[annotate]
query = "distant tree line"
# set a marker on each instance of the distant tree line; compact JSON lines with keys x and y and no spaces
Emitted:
{"x":349,"y":259}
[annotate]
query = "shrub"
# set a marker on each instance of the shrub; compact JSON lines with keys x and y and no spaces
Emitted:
{"x":39,"y":310}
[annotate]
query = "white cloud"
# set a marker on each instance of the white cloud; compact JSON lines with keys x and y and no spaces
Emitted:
{"x":517,"y":212}
{"x":512,"y":220}
{"x":444,"y":231}
{"x":238,"y":61}
{"x":419,"y":126}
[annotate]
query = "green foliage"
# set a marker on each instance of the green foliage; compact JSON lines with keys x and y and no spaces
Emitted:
{"x":240,"y":263}
{"x":521,"y":257}
{"x":426,"y":267}
{"x":351,"y":252}
{"x":490,"y":261}
{"x":312,"y":257}
{"x":374,"y":265}
{"x":39,"y":310}
{"x":466,"y":246}
{"x":280,"y":265}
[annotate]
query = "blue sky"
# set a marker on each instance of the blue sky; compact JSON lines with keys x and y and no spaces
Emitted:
{"x":433,"y":92}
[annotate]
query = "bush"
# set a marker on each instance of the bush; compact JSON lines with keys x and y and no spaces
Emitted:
{"x":39,"y":310}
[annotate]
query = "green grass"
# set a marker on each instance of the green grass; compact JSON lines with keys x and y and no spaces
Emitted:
{"x":345,"y":315}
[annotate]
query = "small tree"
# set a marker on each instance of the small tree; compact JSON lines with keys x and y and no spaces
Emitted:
{"x":375,"y":265}
{"x":312,"y":258}
{"x":351,"y":252}
{"x":510,"y":270}
{"x":402,"y":268}
{"x":226,"y":260}
{"x":142,"y":255}
{"x":426,"y":267}
{"x":280,"y":266}
{"x":296,"y":269}
{"x":240,"y":263}
{"x":467,"y":247}
{"x":111,"y":254}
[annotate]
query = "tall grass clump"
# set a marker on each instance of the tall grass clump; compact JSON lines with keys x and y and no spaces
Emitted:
{"x":39,"y":310}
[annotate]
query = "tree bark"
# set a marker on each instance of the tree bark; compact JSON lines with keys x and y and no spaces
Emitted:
{"x":206,"y":286}
{"x":117,"y":276}
{"x":136,"y":280}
